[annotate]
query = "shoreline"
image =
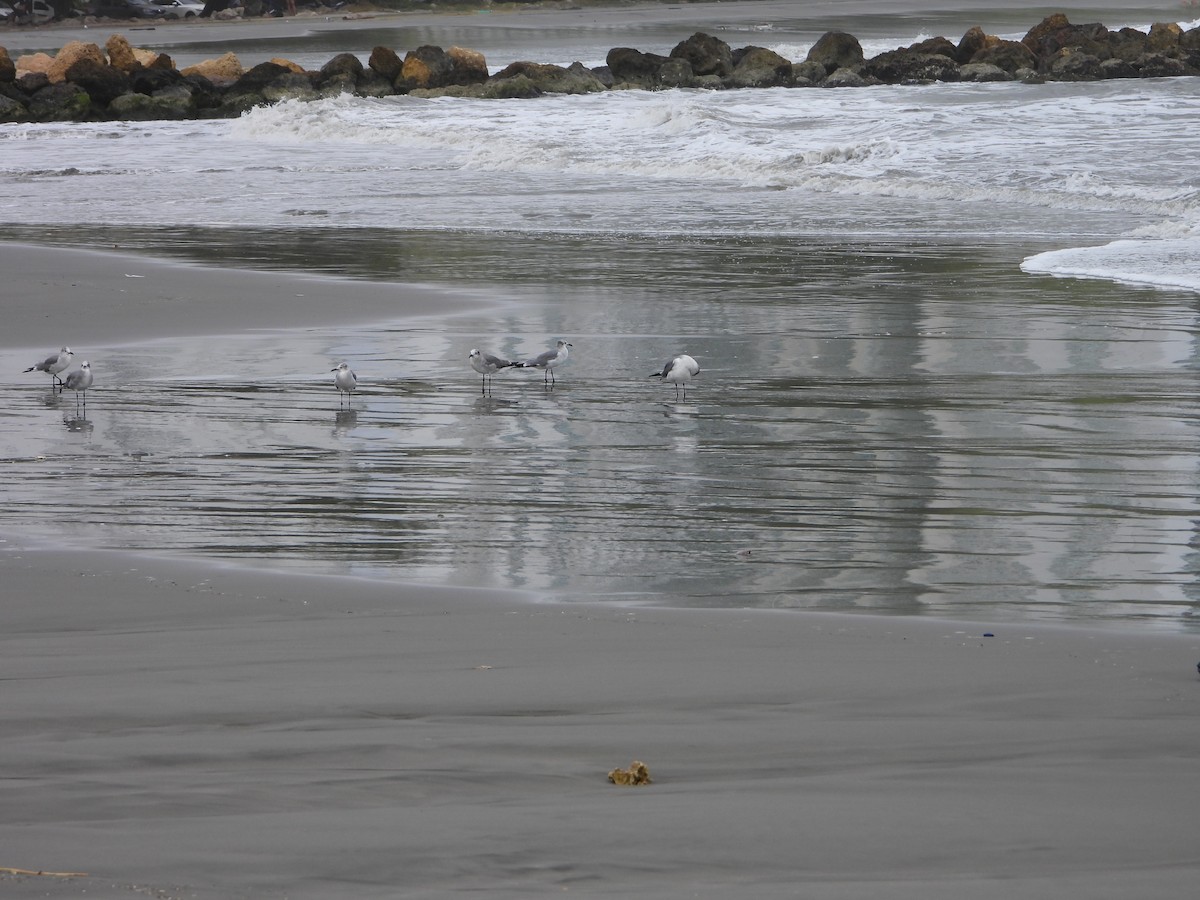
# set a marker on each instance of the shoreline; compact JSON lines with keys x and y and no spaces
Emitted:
{"x":132,"y":297}
{"x":219,"y":732}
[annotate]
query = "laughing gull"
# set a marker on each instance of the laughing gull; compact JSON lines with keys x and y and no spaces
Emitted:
{"x":549,"y":360}
{"x":345,"y":381}
{"x":487,"y":365}
{"x":679,"y":371}
{"x":79,"y":381}
{"x":59,"y":362}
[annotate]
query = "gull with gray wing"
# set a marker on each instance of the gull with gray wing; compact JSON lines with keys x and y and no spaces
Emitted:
{"x":679,"y":371}
{"x":53,"y":364}
{"x":549,"y":360}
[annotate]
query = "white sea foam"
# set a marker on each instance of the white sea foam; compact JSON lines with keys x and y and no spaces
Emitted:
{"x":1161,"y":263}
{"x":1047,"y":159}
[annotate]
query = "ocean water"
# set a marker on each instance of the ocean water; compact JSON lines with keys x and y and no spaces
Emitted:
{"x":948,"y":336}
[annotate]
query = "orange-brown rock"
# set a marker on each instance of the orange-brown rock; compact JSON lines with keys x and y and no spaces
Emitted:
{"x":386,"y":62}
{"x":288,"y":64}
{"x":470,"y":66}
{"x":222,"y":70}
{"x":71,"y":53}
{"x":36,"y":63}
{"x":121,"y":55}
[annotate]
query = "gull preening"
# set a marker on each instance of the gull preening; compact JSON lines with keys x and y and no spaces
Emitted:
{"x":345,"y":381}
{"x":79,"y":381}
{"x":549,"y":360}
{"x":488,"y":365}
{"x":679,"y":371}
{"x":58,"y":362}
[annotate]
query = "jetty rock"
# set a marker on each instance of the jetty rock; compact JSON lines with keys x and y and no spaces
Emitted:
{"x":84,"y":82}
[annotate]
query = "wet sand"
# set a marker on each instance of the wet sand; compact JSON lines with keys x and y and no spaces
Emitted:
{"x":178,"y":729}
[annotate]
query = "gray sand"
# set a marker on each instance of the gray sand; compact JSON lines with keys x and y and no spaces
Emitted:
{"x":177,"y":729}
{"x":203,"y":732}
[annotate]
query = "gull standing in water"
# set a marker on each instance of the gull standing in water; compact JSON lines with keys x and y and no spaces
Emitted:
{"x":679,"y":371}
{"x":59,"y":362}
{"x":79,"y":381}
{"x":487,"y":365}
{"x":345,"y":381}
{"x":549,"y":360}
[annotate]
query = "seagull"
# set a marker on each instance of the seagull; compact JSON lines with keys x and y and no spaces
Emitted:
{"x":79,"y":381}
{"x":59,"y":362}
{"x":487,"y":365}
{"x":679,"y":371}
{"x":345,"y":381}
{"x":549,"y":360}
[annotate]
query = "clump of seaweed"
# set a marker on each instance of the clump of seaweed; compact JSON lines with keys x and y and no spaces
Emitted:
{"x":636,"y":775}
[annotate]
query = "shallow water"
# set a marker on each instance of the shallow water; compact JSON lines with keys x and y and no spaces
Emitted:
{"x":901,"y":408}
{"x":864,"y":435}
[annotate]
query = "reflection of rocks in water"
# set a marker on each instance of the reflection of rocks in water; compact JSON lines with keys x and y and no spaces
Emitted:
{"x":78,"y":425}
{"x":345,"y":420}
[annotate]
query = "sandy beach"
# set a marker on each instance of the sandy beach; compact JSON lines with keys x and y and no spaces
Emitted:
{"x":177,"y":729}
{"x":181,"y":728}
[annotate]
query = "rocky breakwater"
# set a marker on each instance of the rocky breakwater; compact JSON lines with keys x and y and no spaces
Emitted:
{"x":84,"y":82}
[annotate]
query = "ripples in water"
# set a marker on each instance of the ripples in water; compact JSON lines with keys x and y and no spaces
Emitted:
{"x":872,"y":430}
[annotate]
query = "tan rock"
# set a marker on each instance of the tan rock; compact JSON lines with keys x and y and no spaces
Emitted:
{"x":288,"y":64}
{"x":71,"y":53}
{"x":121,"y":55}
{"x":153,"y":60}
{"x":225,"y":68}
{"x":470,"y":66}
{"x":34,"y":62}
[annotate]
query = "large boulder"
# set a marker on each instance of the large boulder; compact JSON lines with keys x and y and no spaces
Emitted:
{"x":426,"y":67}
{"x":844,"y":77}
{"x":152,"y":59}
{"x":224,"y":69}
{"x":8,"y":69}
{"x":34,"y":64}
{"x":705,"y":54}
{"x":1164,"y":37}
{"x":1070,"y":64}
{"x":1055,"y":34}
{"x":120,"y":54}
{"x":632,"y":67}
{"x":974,"y":40}
{"x":1159,"y":65}
{"x":549,"y":79}
{"x":469,"y":66}
{"x":1010,"y":56}
{"x":980,"y":72}
{"x":266,"y":74}
{"x":61,"y":102}
{"x":1129,"y":43}
{"x":149,"y":81}
{"x":102,"y":82}
{"x":12,"y":110}
{"x":759,"y":67}
{"x":386,"y":62}
{"x":172,"y":104}
{"x":836,"y":50}
{"x":910,"y":66}
{"x":71,"y":53}
{"x":345,"y":68}
{"x":519,"y":87}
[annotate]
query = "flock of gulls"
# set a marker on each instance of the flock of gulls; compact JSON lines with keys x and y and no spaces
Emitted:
{"x":78,"y":380}
{"x":678,"y":371}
